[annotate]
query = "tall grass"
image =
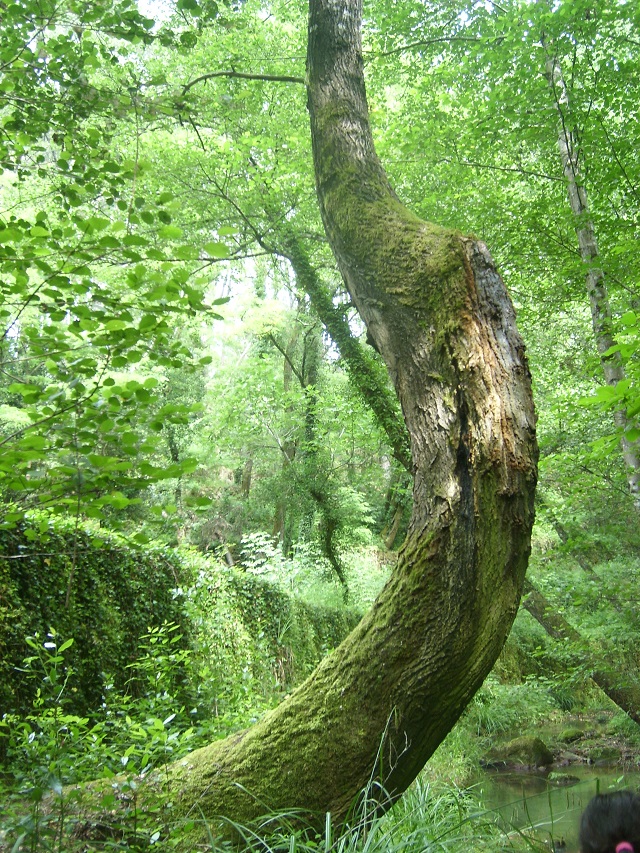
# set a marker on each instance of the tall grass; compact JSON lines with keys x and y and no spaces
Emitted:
{"x":424,"y":820}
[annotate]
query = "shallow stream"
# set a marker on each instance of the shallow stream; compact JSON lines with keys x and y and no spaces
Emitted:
{"x":526,"y":801}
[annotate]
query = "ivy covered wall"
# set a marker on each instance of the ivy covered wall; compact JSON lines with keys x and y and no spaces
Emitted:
{"x":83,"y":585}
{"x":96,"y":588}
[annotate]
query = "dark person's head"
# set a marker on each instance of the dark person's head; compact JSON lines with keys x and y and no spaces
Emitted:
{"x":611,"y":824}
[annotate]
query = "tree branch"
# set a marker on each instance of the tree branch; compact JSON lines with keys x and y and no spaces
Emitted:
{"x":272,"y":78}
{"x":427,"y":42}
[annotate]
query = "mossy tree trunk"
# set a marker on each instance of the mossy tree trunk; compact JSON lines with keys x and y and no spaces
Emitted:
{"x":438,"y":312}
{"x":366,"y":374}
{"x":281,"y":524}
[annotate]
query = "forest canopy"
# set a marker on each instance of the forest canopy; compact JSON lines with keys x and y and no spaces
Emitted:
{"x":152,"y":166}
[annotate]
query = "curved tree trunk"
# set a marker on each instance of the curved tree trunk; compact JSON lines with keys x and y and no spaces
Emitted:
{"x":378,"y":707}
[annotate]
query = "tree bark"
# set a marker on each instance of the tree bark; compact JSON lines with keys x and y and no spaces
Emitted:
{"x":597,"y":292}
{"x":376,"y":709}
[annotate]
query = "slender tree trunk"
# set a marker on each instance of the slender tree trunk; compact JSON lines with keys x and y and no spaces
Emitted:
{"x":317,"y":480}
{"x":563,"y":535}
{"x":625,"y":696}
{"x":281,"y":529}
{"x":365,"y":371}
{"x":595,"y":279}
{"x":377,"y":708}
{"x":390,"y":538}
{"x":174,"y":453}
{"x":245,"y":481}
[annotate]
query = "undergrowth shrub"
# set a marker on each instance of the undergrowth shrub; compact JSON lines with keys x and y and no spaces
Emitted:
{"x":307,"y":574}
{"x":49,"y":749}
{"x":498,"y":707}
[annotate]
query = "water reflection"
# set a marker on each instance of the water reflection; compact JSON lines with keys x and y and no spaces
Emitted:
{"x":526,"y":802}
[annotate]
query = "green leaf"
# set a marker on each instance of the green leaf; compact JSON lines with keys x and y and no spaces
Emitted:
{"x":99,"y":223}
{"x":186,"y":253}
{"x":170,"y":232}
{"x":188,"y":39}
{"x":109,"y":242}
{"x":216,"y":250}
{"x":201,"y":501}
{"x":135,"y":240}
